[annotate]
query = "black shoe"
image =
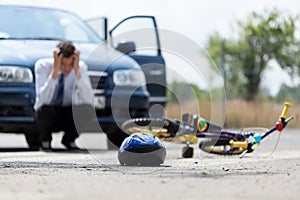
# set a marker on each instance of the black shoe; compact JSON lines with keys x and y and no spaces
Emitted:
{"x":46,"y":146}
{"x":70,"y":145}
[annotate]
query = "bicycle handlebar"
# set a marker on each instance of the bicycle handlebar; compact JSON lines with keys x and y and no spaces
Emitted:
{"x":285,"y":109}
{"x":279,"y":126}
{"x":281,"y":123}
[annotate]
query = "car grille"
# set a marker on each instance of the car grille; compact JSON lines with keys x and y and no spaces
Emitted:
{"x":15,"y":111}
{"x":98,"y":80}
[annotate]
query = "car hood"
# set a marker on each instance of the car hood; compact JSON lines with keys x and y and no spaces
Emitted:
{"x":27,"y":52}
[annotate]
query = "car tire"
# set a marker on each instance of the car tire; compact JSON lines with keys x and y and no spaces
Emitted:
{"x":32,"y":139}
{"x":115,"y":136}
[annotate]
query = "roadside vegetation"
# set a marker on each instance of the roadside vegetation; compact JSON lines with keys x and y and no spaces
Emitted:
{"x":255,"y":45}
{"x":239,"y":113}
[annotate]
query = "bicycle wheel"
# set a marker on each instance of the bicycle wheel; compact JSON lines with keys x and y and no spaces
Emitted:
{"x":217,"y":146}
{"x":160,"y":127}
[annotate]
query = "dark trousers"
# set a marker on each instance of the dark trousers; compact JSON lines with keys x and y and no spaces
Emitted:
{"x":55,"y":118}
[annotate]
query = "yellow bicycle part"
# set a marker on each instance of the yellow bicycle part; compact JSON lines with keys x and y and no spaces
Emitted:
{"x":243,"y":145}
{"x":192,"y":139}
{"x":156,"y":132}
{"x":163,"y":135}
{"x":220,"y":150}
{"x":285,"y":109}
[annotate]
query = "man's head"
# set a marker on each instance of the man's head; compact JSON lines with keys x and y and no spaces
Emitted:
{"x":66,"y":50}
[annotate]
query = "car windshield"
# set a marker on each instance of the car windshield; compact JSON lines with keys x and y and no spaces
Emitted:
{"x":39,"y":23}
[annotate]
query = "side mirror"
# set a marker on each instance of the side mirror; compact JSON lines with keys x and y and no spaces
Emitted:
{"x":126,"y":47}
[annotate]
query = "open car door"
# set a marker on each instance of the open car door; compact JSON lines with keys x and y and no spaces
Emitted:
{"x":137,"y":36}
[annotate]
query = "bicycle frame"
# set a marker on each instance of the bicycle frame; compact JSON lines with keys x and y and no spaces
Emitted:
{"x":193,"y":126}
{"x":236,"y":140}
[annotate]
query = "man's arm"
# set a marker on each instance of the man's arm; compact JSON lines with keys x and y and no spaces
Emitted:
{"x":83,"y":85}
{"x":57,"y":63}
{"x":76,"y":57}
{"x":45,"y":83}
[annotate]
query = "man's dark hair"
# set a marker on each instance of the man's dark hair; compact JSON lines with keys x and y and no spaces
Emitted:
{"x":66,"y":48}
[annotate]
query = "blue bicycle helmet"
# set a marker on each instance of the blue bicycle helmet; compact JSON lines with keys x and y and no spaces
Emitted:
{"x":142,"y":149}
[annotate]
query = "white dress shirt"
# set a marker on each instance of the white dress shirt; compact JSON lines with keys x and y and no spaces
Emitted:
{"x":76,"y":90}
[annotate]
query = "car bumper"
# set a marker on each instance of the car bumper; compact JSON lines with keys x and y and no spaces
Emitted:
{"x":17,"y":114}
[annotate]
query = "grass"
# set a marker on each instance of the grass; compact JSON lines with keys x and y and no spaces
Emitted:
{"x":239,"y":113}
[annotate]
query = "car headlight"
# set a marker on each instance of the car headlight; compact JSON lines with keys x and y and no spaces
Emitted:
{"x":15,"y":74}
{"x":129,"y":77}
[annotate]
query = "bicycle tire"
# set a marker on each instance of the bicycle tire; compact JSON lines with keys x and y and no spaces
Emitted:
{"x":217,"y":146}
{"x":152,"y":125}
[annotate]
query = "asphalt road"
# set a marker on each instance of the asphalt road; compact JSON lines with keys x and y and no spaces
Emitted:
{"x":96,"y":174}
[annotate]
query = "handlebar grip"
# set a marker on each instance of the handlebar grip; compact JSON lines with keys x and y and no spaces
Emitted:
{"x":234,"y":144}
{"x":285,"y":109}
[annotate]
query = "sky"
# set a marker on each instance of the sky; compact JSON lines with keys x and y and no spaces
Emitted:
{"x":195,"y":19}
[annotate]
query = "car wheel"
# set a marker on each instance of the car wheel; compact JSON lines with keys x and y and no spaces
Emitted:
{"x":32,"y":139}
{"x":115,"y":136}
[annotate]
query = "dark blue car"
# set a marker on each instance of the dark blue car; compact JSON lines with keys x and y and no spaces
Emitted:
{"x":126,"y":67}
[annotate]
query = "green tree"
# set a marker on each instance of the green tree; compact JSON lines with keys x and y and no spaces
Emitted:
{"x":222,"y":53}
{"x":186,"y":91}
{"x":287,"y":93}
{"x":260,"y":39}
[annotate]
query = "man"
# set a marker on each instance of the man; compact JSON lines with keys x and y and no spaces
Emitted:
{"x":60,"y":80}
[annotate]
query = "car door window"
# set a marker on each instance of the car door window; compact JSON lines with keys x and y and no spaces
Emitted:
{"x":141,"y":32}
{"x":99,"y":25}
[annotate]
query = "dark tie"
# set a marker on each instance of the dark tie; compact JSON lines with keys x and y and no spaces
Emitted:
{"x":60,"y":92}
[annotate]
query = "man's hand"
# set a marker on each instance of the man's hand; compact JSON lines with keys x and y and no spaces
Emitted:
{"x":57,"y":63}
{"x":76,"y":57}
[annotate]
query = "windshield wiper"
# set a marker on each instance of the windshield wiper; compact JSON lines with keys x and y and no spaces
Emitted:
{"x":8,"y":38}
{"x":30,"y":38}
{"x":43,"y":38}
